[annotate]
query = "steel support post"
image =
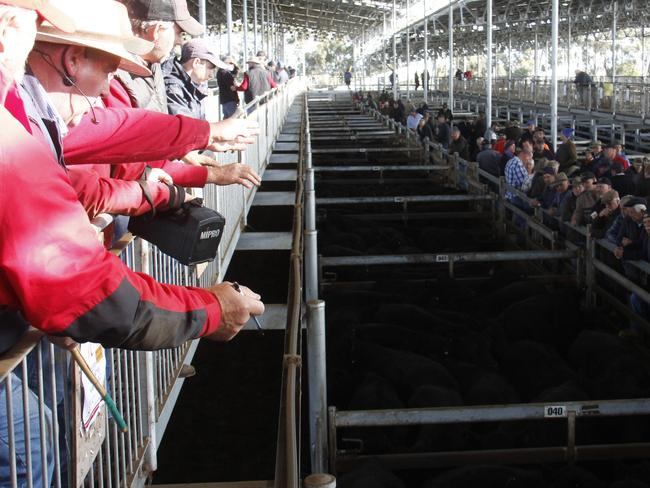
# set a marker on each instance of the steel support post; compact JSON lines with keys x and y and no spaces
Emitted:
{"x":229,"y":26}
{"x":509,"y":62}
{"x":451,"y":56}
{"x":255,"y":27}
{"x":311,"y":265}
{"x":408,"y":53}
{"x":536,"y":57}
{"x":425,"y":83}
{"x":614,"y":32}
{"x":202,"y":13}
{"x":317,"y":378}
{"x":245,"y":27}
{"x":394,"y":28}
{"x":568,"y":45}
{"x":554,"y":35}
{"x":488,"y":70}
{"x":383,"y":51}
{"x":262,"y":27}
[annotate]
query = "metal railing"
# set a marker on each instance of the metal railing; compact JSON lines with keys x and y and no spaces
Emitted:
{"x":624,"y":96}
{"x":40,"y":388}
{"x":287,"y":464}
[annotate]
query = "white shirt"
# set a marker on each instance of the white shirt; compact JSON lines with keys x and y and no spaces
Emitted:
{"x":412,"y":121}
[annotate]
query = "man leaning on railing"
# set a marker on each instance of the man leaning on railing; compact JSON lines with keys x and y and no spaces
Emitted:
{"x":53,"y":271}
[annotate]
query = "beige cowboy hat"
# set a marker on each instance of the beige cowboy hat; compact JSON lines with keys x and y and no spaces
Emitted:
{"x":46,"y":10}
{"x":103,"y":25}
{"x":255,"y":60}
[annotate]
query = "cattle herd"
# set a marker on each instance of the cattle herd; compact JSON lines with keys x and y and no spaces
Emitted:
{"x":410,"y":336}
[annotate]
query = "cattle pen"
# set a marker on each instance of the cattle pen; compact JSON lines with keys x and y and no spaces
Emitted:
{"x":538,"y":244}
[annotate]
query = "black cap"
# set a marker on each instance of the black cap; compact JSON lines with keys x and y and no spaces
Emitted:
{"x":603,"y":180}
{"x":587,"y":175}
{"x":166,"y":11}
{"x":616,"y":166}
{"x":635,"y":201}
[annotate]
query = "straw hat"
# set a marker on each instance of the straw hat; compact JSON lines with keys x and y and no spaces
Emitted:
{"x":255,"y":60}
{"x":48,"y":11}
{"x":103,"y":25}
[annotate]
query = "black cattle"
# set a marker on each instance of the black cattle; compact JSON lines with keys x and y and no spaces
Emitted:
{"x":495,"y":302}
{"x":487,"y":477}
{"x":533,"y":367}
{"x":551,"y":319}
{"x":406,"y":371}
{"x":628,"y":484}
{"x":372,"y":393}
{"x":574,"y":477}
{"x":442,"y":437}
{"x":369,"y":475}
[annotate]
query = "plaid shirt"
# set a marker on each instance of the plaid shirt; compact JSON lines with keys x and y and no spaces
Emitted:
{"x":516,"y":175}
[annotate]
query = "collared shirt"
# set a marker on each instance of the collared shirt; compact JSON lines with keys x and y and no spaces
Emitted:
{"x":42,"y":113}
{"x":412,"y":121}
{"x":516,"y":175}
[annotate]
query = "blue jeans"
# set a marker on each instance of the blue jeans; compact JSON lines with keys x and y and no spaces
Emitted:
{"x":228,"y":109}
{"x":38,"y":471}
{"x":641,"y":308}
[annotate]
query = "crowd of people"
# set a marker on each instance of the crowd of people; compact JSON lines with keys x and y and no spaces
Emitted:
{"x":600,"y":186}
{"x":99,"y":116}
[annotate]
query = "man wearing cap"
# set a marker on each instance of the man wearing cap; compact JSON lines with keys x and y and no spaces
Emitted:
{"x":74,"y":70}
{"x":512,"y":130}
{"x":566,"y":154}
{"x":586,"y":200}
{"x":527,"y":134}
{"x":157,"y":21}
{"x":256,"y":80}
{"x":54,"y":273}
{"x":568,"y":204}
{"x":228,"y":96}
{"x":458,"y":144}
{"x":631,"y":234}
{"x":602,"y":220}
{"x":561,"y":187}
{"x":545,"y":197}
{"x":489,"y":160}
{"x":624,"y":183}
{"x":184,"y":83}
{"x":611,"y":234}
{"x":53,"y":269}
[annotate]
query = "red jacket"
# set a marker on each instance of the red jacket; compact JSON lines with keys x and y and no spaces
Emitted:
{"x":124,"y":135}
{"x":54,"y":270}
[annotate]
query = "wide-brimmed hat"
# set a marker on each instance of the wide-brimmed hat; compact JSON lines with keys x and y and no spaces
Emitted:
{"x":559,"y":179}
{"x":165,"y":11}
{"x":255,"y":60}
{"x":49,"y":12}
{"x":103,"y":25}
{"x":595,"y":144}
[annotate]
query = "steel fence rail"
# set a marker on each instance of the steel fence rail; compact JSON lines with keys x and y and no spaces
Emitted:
{"x":39,"y":404}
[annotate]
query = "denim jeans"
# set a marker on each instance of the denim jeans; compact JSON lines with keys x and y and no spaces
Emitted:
{"x":38,"y":471}
{"x":641,"y":308}
{"x":228,"y":109}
